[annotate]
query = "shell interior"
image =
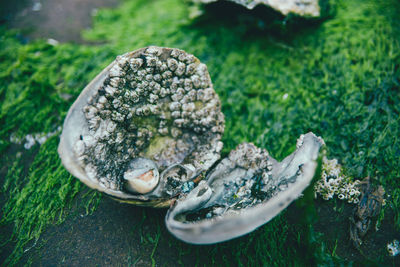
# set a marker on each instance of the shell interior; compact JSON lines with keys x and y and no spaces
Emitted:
{"x":154,"y":104}
{"x":243,"y":192}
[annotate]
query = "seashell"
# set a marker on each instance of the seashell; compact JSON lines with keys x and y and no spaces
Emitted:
{"x":136,"y":111}
{"x":151,"y":149}
{"x":233,"y":200}
{"x":309,"y":8}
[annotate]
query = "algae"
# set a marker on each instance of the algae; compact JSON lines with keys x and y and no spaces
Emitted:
{"x":276,"y":79}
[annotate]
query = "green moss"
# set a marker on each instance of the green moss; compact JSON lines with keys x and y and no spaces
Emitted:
{"x":39,"y":198}
{"x":338,"y":78}
{"x":33,"y":79}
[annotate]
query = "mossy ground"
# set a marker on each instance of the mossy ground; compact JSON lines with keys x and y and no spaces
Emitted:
{"x":338,"y":77}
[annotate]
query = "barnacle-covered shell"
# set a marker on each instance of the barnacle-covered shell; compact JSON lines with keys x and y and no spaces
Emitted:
{"x":300,"y":7}
{"x":243,"y":192}
{"x":147,"y":130}
{"x":148,"y":111}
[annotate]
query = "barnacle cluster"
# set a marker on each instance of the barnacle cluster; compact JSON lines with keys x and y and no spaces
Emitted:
{"x":335,"y":182}
{"x":242,"y":183}
{"x":242,"y":191}
{"x":157,"y":104}
{"x":248,"y":156}
{"x":31,"y":139}
{"x":300,"y":7}
{"x":393,"y":248}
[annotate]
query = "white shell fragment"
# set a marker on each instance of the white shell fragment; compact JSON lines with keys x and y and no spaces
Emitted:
{"x":243,"y":192}
{"x":309,"y":8}
{"x":148,"y":110}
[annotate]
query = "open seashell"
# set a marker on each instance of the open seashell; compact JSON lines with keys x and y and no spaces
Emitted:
{"x":147,"y":131}
{"x":243,"y":192}
{"x":147,"y":111}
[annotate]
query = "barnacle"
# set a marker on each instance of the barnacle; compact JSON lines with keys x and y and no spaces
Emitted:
{"x":300,"y":7}
{"x":334,"y":182}
{"x":393,"y":248}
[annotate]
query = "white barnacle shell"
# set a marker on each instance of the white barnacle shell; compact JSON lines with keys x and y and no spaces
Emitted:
{"x":151,"y":61}
{"x":90,"y":112}
{"x":135,"y":63}
{"x":111,"y":126}
{"x":189,"y":107}
{"x":122,"y":61}
{"x":94,"y":123}
{"x":172,"y":64}
{"x":180,"y":70}
{"x":190,"y":69}
{"x":175,"y":53}
{"x":141,"y":176}
{"x":116,"y":71}
{"x":154,"y":50}
{"x":102,"y":99}
{"x":157,"y":77}
{"x":110,"y":90}
{"x":174,"y":106}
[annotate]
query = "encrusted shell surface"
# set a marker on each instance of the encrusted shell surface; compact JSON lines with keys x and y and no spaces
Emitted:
{"x":243,"y":192}
{"x":154,"y":104}
{"x":147,"y":131}
{"x":300,"y":7}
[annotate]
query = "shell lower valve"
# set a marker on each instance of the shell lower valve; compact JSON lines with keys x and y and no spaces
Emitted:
{"x":243,"y":192}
